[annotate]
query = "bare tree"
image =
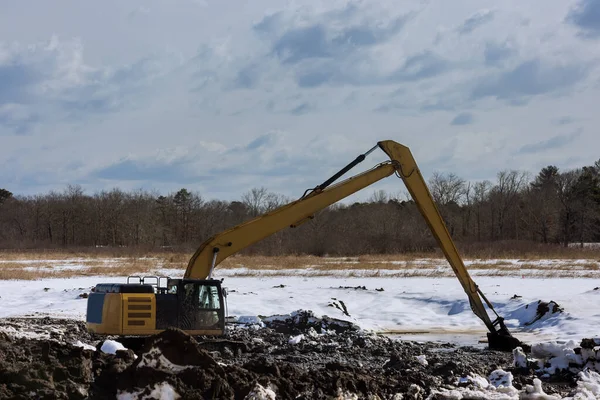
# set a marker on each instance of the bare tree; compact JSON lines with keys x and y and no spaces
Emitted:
{"x":260,"y":200}
{"x":448,"y":191}
{"x":467,"y":209}
{"x":379,"y":196}
{"x":255,"y":200}
{"x":446,"y":188}
{"x":273,"y":201}
{"x":480,"y":196}
{"x":566,"y":183}
{"x":504,"y":198}
{"x":556,"y":207}
{"x":73,"y":213}
{"x":165,"y":214}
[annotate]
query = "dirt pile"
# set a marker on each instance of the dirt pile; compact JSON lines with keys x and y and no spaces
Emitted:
{"x":247,"y":363}
{"x":320,"y":366}
{"x":49,"y":369}
{"x":545,"y":309}
{"x":303,"y":320}
{"x":46,"y":328}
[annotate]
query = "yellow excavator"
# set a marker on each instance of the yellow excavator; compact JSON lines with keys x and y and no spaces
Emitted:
{"x":196,"y":304}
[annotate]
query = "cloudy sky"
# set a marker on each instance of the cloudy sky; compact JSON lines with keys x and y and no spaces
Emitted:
{"x":223,"y":96}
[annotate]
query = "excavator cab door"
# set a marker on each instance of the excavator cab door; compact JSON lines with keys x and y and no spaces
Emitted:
{"x":201,"y":306}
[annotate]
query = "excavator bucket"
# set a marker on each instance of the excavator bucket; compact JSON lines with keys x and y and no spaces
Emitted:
{"x":504,"y":342}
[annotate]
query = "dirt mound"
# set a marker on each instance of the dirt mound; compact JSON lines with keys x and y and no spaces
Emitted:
{"x":544,"y":309}
{"x":536,"y":313}
{"x":176,"y":347}
{"x":302,"y":321}
{"x":61,"y":330}
{"x":175,"y":359}
{"x":317,"y":367}
{"x":247,"y":363}
{"x":47,"y":369}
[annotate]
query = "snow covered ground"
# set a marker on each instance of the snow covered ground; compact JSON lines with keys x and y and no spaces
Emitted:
{"x":417,"y":308}
{"x":419,"y":300}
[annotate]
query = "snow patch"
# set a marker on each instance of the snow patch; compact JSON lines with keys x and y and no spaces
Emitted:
{"x":457,"y":308}
{"x":549,"y":358}
{"x":111,"y":347}
{"x":24,"y":334}
{"x":260,"y":393}
{"x":535,"y":313}
{"x":85,"y":346}
{"x":499,"y":387}
{"x":422,"y":360}
{"x":296,"y":339}
{"x":502,"y":382}
{"x":249,"y":320}
{"x":162,"y":391}
{"x":553,"y":357}
{"x":341,"y":395}
{"x":519,"y":358}
{"x":535,"y":392}
{"x":588,"y":386}
{"x":154,"y":358}
{"x":476,"y":380}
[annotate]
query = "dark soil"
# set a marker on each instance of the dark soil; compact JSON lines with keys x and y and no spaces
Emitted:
{"x":321,"y":366}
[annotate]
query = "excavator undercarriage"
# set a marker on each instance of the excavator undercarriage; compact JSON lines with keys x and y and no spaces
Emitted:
{"x":196,"y":303}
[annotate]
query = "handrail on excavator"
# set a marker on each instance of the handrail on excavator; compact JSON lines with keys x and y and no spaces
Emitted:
{"x":222,"y":245}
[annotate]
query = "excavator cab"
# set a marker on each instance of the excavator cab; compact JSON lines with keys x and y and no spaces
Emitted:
{"x":142,"y":308}
{"x":200,"y":305}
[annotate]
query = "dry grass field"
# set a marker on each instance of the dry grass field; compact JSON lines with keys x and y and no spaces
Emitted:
{"x":39,"y":264}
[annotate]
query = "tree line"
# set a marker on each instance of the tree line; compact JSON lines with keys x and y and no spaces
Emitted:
{"x":552,"y":207}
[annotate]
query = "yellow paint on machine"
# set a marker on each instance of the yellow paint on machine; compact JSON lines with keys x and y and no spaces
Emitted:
{"x":139,"y":313}
{"x":134,"y":314}
{"x":127,"y":314}
{"x":111,"y":315}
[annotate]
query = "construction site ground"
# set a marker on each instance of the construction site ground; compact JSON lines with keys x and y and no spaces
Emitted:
{"x":301,"y":357}
{"x":400,"y":331}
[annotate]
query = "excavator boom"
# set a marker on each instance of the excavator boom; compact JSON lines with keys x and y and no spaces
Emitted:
{"x":217,"y":248}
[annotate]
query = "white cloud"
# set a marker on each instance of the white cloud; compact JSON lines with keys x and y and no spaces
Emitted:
{"x":221,"y":98}
{"x":476,"y":20}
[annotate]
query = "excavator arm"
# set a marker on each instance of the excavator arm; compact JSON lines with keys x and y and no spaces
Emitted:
{"x":217,"y":248}
{"x":220,"y":246}
{"x":499,"y":337}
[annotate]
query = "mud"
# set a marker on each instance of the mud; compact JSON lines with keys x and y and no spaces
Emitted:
{"x":299,"y":357}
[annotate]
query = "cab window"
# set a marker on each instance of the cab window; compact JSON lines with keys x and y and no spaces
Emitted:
{"x":209,"y":297}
